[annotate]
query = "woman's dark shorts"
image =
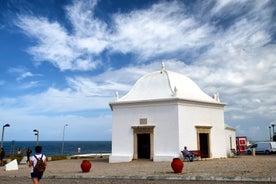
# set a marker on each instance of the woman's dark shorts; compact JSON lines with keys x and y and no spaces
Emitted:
{"x":34,"y":175}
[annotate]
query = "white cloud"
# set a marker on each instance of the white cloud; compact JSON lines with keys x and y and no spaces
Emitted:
{"x":53,"y":43}
{"x":81,"y":16}
{"x":237,"y":58}
{"x":24,"y":75}
{"x":162,"y":29}
{"x":29,"y":85}
{"x":165,"y":28}
{"x":64,"y":50}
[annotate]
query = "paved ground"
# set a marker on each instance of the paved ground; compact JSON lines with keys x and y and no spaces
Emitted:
{"x":243,"y":169}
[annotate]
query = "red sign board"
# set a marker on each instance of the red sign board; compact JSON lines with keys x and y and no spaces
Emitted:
{"x":241,"y":142}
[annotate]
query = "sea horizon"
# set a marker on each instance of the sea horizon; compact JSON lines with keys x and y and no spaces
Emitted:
{"x":55,"y":147}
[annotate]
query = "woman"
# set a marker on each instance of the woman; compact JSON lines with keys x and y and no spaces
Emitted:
{"x":2,"y":155}
{"x":29,"y":152}
{"x":33,"y":161}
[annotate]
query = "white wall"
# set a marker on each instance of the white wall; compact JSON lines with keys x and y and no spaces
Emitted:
{"x":194,"y":114}
{"x":166,"y":138}
{"x":122,"y":136}
{"x":163,"y":116}
{"x":230,"y":135}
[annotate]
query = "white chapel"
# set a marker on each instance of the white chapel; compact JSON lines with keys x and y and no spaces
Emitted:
{"x":162,"y":113}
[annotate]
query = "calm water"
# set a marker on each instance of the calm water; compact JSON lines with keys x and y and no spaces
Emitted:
{"x":54,"y":147}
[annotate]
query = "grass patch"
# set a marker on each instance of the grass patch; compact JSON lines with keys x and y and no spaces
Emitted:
{"x":58,"y":157}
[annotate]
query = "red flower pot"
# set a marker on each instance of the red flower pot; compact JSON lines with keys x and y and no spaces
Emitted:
{"x":86,"y":166}
{"x":177,"y":165}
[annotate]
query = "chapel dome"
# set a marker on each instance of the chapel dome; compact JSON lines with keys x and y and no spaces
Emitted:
{"x":165,"y":85}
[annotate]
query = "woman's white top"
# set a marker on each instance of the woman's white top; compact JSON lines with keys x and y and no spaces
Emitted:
{"x":33,"y":159}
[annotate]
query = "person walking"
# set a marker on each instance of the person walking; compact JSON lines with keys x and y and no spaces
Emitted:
{"x":29,"y":152}
{"x":35,"y":161}
{"x":2,"y":155}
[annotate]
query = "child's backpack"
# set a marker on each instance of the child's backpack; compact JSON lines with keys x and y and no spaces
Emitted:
{"x":39,"y":167}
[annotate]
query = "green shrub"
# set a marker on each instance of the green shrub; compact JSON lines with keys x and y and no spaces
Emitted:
{"x":58,"y":157}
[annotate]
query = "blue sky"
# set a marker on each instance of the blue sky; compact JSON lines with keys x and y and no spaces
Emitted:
{"x":61,"y":62}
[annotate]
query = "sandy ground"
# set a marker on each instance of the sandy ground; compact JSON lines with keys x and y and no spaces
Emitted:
{"x":242,"y":168}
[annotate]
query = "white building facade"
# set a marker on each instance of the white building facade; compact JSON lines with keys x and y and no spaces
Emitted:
{"x":162,"y":113}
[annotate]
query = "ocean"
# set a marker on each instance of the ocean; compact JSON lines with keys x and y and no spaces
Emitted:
{"x":52,"y":148}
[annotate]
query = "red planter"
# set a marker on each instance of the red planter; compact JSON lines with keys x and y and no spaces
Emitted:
{"x":86,"y":166}
{"x":177,"y":165}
